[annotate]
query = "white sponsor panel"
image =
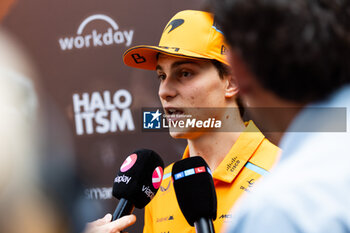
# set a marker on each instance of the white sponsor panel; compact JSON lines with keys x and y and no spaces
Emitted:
{"x":94,"y":38}
{"x":103,"y":113}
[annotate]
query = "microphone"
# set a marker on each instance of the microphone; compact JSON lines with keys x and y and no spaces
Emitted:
{"x":137,"y":182}
{"x":195,"y":193}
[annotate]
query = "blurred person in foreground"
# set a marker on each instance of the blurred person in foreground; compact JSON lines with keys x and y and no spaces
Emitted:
{"x":296,"y":53}
{"x":195,"y":80}
{"x":39,"y":192}
{"x":23,"y":206}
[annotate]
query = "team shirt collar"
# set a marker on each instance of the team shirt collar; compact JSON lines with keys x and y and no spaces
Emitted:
{"x":239,"y":154}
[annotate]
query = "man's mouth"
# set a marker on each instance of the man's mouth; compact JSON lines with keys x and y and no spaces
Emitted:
{"x":174,"y":112}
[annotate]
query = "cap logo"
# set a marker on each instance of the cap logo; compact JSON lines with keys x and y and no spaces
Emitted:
{"x":174,"y":24}
{"x":138,"y":58}
{"x":223,"y":50}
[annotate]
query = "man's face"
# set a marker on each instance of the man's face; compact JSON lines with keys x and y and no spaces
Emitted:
{"x":187,"y":84}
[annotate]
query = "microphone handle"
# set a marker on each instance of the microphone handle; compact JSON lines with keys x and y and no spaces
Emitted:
{"x":204,"y":225}
{"x":123,"y":208}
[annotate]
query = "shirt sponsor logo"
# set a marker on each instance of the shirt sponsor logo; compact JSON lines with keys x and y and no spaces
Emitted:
{"x":103,"y":113}
{"x":225,"y":216}
{"x":248,"y":186}
{"x":128,"y":163}
{"x":168,"y":218}
{"x":94,"y":38}
{"x":164,"y":189}
{"x":233,"y":164}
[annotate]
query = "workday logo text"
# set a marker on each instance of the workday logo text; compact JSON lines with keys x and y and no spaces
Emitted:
{"x":94,"y":38}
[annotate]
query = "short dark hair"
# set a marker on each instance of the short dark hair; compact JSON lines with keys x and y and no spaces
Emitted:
{"x":223,"y":70}
{"x":298,"y":49}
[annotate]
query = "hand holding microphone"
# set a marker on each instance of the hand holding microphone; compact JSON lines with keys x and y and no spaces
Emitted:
{"x":135,"y":185}
{"x":195,"y":193}
{"x":104,"y":225}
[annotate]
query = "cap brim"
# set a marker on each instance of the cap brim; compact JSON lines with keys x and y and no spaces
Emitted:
{"x":145,"y":56}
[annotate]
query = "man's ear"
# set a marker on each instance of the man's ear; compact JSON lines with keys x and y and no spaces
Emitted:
{"x":231,"y":89}
{"x":242,"y":75}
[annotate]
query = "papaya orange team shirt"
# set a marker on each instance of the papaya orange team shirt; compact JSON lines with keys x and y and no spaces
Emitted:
{"x":251,"y":157}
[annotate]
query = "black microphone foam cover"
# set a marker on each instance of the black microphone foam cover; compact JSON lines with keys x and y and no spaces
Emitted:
{"x":194,"y":189}
{"x":139,"y":177}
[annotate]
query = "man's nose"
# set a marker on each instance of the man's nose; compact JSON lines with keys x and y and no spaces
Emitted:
{"x":167,"y":89}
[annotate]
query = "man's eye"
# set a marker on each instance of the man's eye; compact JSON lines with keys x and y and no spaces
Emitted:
{"x":186,"y":74}
{"x":161,"y":76}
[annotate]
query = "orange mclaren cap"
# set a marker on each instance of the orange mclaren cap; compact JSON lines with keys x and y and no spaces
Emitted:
{"x":189,"y":33}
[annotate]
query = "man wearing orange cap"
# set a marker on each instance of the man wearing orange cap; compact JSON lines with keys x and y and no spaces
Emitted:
{"x":194,"y":74}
